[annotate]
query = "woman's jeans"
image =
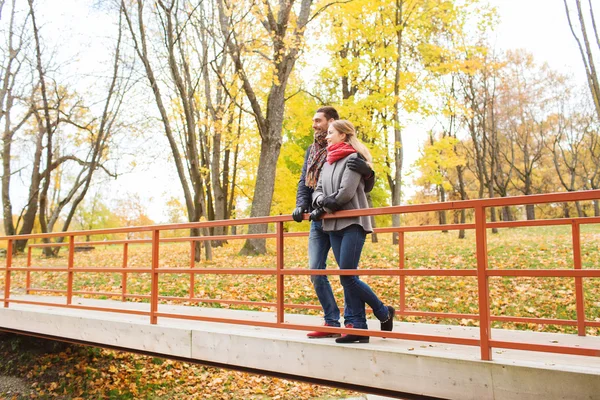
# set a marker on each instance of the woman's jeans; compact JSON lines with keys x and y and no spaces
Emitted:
{"x":318,"y":249}
{"x":347,"y":246}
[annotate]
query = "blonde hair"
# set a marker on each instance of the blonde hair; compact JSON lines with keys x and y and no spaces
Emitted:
{"x":345,"y":127}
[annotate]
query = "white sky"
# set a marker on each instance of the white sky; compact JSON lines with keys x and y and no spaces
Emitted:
{"x":539,"y":26}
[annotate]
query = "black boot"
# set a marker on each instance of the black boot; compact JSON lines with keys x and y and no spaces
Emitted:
{"x":388,"y":324}
{"x":352,"y":338}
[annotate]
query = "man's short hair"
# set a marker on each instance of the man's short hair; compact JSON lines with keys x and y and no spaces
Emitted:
{"x":329,"y":112}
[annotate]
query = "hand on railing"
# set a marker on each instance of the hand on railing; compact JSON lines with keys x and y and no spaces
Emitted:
{"x":298,"y":213}
{"x":316,"y":214}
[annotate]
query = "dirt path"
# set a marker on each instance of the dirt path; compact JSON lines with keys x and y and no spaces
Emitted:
{"x":11,"y":386}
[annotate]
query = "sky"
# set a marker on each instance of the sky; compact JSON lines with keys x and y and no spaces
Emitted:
{"x":539,"y":26}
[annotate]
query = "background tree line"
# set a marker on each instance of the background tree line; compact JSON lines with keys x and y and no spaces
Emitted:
{"x":230,"y":88}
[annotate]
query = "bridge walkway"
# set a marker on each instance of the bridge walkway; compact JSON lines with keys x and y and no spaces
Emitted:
{"x":390,"y":367}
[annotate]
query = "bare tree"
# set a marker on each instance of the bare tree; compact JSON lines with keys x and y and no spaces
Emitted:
{"x":13,"y":59}
{"x":587,"y":48}
{"x":220,"y":142}
{"x":54,"y":113}
{"x":187,"y":160}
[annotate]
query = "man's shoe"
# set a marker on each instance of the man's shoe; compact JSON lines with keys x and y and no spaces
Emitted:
{"x":323,"y":335}
{"x":352,"y":338}
{"x":388,"y":324}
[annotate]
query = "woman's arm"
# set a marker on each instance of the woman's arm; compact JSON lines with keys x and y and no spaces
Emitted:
{"x":348,"y":185}
{"x":317,"y":195}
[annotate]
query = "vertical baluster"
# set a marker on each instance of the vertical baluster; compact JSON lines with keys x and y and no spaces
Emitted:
{"x":192,"y":265}
{"x":401,"y":265}
{"x":124,"y":275}
{"x":579,"y":295}
{"x":482,"y":283}
{"x":280,"y":285}
{"x":9,"y":251}
{"x":28,"y":277}
{"x":154,"y":284}
{"x":70,"y":269}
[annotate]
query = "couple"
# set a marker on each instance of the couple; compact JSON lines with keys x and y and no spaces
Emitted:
{"x":335,"y":176}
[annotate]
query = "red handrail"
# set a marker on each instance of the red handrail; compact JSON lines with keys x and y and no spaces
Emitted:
{"x":482,"y":272}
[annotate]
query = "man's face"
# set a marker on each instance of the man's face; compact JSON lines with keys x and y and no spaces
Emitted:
{"x":320,"y":122}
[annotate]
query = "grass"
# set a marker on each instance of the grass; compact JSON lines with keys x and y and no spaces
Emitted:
{"x":517,"y":248}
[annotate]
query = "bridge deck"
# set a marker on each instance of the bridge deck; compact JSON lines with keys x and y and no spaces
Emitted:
{"x":383,"y":366}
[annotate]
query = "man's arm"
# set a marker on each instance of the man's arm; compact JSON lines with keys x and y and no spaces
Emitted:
{"x":303,"y":193}
{"x":359,"y":165}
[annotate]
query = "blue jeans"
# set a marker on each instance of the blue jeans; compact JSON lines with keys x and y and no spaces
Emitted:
{"x":318,"y":249}
{"x":347,"y":246}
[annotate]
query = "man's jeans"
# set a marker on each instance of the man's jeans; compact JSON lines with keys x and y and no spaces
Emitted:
{"x":347,"y":246}
{"x":318,"y":249}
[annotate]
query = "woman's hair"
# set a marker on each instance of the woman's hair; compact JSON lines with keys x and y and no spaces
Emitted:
{"x":346,"y":127}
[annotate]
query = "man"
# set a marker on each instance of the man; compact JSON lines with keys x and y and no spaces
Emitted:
{"x":318,"y":241}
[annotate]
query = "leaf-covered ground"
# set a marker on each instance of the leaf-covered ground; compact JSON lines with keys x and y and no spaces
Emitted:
{"x":105,"y":373}
{"x":58,"y":371}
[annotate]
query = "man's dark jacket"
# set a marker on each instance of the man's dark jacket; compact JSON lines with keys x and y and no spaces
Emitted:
{"x":304,"y":193}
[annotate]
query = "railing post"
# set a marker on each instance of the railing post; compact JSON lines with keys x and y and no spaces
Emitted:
{"x":9,"y":251}
{"x":280,"y":286}
{"x":192,"y":265}
{"x":579,"y":296}
{"x":154,"y":284}
{"x":401,"y":258}
{"x":485,"y":331}
{"x":124,"y":276}
{"x":28,"y":276}
{"x":70,"y":268}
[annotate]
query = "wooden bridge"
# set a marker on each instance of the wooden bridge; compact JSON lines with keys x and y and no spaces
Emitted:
{"x":413,"y":361}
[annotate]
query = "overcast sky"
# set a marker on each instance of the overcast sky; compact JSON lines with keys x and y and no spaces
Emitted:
{"x":539,"y":26}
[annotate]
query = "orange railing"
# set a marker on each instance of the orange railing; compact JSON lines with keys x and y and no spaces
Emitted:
{"x":482,"y":273}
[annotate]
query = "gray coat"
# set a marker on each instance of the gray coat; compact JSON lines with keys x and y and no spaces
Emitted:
{"x":349,"y":189}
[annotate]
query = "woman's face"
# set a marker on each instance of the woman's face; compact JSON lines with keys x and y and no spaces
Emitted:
{"x":333,"y":136}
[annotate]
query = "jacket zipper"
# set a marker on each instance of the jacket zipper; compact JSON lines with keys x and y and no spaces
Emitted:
{"x":332,"y":190}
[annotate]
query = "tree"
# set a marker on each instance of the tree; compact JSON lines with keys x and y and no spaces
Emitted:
{"x":11,"y":99}
{"x":94,"y":214}
{"x":64,"y":113}
{"x":586,"y":49}
{"x":132,"y":212}
{"x":284,"y":27}
{"x":187,"y":156}
{"x":438,"y":159}
{"x":526,"y":97}
{"x":385,"y":57}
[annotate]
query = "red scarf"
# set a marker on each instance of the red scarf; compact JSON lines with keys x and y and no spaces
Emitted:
{"x":338,"y":151}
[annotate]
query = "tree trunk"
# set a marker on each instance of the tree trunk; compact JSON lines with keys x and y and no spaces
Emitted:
{"x":281,"y":31}
{"x":580,"y":211}
{"x":398,"y":149}
{"x":442,"y":213}
{"x":28,"y":220}
{"x":263,"y":193}
{"x":507,"y":214}
{"x":530,"y":211}
{"x":566,"y":211}
{"x":372,"y":217}
{"x":463,"y":196}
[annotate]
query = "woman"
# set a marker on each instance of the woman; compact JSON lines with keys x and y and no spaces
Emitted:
{"x":340,"y":188}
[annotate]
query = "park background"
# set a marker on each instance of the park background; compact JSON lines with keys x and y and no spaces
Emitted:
{"x":456,"y":100}
{"x":487,"y":98}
